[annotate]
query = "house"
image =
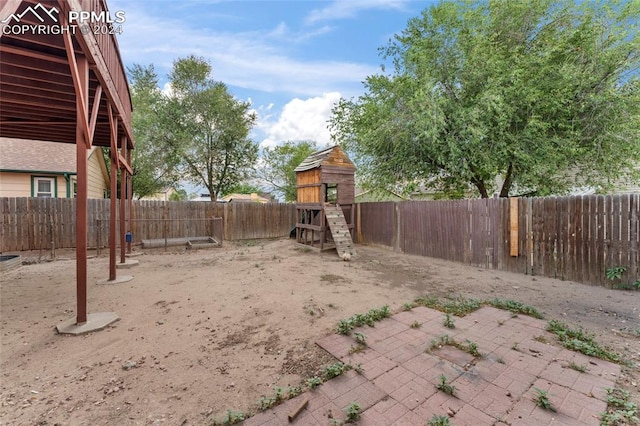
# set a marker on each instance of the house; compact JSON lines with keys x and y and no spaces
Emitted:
{"x":162,"y":195}
{"x":32,"y":168}
{"x":369,"y":196}
{"x":245,"y":198}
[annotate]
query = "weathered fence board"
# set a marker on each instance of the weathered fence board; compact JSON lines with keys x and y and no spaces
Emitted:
{"x":570,"y":238}
{"x":43,"y":223}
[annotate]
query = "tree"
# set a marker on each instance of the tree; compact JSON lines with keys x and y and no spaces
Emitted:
{"x":178,"y":195}
{"x":278,"y":164}
{"x":153,"y":165}
{"x":522,"y":97}
{"x":209,"y":128}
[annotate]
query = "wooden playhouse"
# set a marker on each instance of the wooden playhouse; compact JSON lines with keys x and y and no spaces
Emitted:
{"x":325,"y":201}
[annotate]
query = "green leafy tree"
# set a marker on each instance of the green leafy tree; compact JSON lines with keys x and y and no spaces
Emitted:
{"x":179,"y":195}
{"x":209,"y":128}
{"x":278,"y":164}
{"x":153,"y":165}
{"x":519,"y":97}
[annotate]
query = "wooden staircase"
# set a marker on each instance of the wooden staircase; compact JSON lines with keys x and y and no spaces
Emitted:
{"x":339,"y":231}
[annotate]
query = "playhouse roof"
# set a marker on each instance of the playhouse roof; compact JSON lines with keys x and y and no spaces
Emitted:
{"x":334,"y":156}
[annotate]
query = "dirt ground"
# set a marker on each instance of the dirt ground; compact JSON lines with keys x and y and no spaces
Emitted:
{"x":205,"y":331}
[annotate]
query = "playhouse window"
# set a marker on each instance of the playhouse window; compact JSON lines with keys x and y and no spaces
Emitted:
{"x":332,"y":193}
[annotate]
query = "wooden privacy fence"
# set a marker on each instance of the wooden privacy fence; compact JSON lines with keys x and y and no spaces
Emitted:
{"x":43,"y":223}
{"x":571,"y":238}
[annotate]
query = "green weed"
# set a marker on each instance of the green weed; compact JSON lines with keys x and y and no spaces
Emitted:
{"x":445,"y":386}
{"x":353,"y":412}
{"x":578,"y":367}
{"x":515,"y":307}
{"x":314,"y":382}
{"x":580,"y":341}
{"x":361,"y":338}
{"x":471,"y":348}
{"x":448,"y":321}
{"x":542,"y":400}
{"x":334,"y":370}
{"x":231,"y":418}
{"x":358,"y":320}
{"x":620,"y":409}
{"x":439,"y":421}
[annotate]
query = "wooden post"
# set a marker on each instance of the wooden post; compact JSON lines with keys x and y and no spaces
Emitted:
{"x":513,"y":226}
{"x":130,"y":198}
{"x":81,"y":196}
{"x":113,"y":189}
{"x":123,"y":204}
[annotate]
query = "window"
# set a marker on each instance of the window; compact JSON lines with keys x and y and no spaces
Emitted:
{"x":44,"y":187}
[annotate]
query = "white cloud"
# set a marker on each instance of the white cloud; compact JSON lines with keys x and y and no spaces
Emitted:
{"x":253,"y":60}
{"x":300,"y":120}
{"x":340,"y":9}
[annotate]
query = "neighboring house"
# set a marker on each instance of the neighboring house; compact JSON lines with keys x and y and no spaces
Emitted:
{"x":378,"y":195}
{"x":245,"y":198}
{"x":163,"y":195}
{"x":30,"y":168}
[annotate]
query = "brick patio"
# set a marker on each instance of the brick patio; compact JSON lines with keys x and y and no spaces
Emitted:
{"x":401,"y":367}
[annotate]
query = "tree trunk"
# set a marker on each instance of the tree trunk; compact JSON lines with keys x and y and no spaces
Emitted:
{"x":482,"y":188}
{"x":506,"y":185}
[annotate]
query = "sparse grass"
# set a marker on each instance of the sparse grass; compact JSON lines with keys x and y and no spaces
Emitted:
{"x":500,"y":360}
{"x":407,"y":306}
{"x":620,"y":409}
{"x":230,"y":418}
{"x":461,"y":306}
{"x":440,"y":342}
{"x":354,"y":349}
{"x":578,"y":367}
{"x":515,"y":346}
{"x":361,"y":338}
{"x":515,"y":307}
{"x":415,"y":324}
{"x":445,"y":386}
{"x":541,"y":338}
{"x":580,"y":341}
{"x":329,"y":372}
{"x":542,"y":400}
{"x":439,"y":421}
{"x":358,"y":320}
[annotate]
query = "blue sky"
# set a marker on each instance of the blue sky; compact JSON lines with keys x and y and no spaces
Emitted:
{"x":291,"y":59}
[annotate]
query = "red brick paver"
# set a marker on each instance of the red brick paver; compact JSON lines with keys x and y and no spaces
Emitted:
{"x":400,"y":368}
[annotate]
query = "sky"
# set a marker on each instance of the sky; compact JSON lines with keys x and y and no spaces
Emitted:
{"x":291,"y":59}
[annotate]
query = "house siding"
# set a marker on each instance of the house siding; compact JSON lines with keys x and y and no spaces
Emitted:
{"x":19,"y":184}
{"x":96,"y":175}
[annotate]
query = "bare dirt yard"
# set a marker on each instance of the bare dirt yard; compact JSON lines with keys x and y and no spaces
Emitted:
{"x":205,"y":331}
